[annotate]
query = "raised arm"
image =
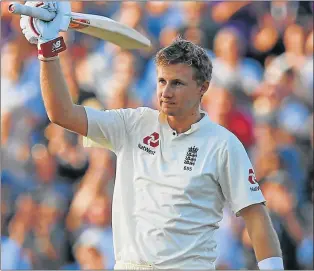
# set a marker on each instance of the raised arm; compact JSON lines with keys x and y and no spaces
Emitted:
{"x":57,"y":100}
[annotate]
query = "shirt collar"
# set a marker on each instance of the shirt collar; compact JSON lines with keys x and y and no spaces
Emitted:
{"x":194,"y":127}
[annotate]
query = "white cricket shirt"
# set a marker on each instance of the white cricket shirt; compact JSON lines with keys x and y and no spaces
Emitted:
{"x":170,"y":189}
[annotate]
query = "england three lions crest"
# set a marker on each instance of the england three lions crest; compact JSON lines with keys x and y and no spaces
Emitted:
{"x":190,"y":158}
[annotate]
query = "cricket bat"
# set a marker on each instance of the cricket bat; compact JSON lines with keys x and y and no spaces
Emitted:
{"x":97,"y":26}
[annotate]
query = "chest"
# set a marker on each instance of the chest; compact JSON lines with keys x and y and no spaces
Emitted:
{"x":184,"y":162}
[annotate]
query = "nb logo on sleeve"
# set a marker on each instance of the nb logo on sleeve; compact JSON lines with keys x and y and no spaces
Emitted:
{"x":56,"y":45}
{"x":252,"y":180}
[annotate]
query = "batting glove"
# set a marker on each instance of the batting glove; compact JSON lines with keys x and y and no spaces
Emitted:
{"x":46,"y":34}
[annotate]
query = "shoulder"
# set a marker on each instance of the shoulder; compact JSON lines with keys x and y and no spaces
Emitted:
{"x":131,"y":115}
{"x":216,"y":130}
{"x":137,"y":112}
{"x":128,"y":115}
{"x":147,"y":111}
{"x":223,"y":138}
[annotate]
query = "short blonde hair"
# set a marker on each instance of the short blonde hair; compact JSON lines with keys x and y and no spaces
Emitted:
{"x":183,"y":51}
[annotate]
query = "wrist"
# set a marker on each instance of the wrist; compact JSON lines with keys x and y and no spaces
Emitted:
{"x":49,"y":50}
{"x":273,"y":263}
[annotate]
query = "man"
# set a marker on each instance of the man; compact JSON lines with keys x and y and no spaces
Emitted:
{"x":175,"y":168}
{"x":13,"y":255}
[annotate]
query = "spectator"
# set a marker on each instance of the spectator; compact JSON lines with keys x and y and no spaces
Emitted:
{"x":231,"y":70}
{"x":13,"y":254}
{"x":91,"y":208}
{"x":72,"y":160}
{"x":161,"y":14}
{"x":222,"y":109}
{"x":47,"y":241}
{"x":45,"y":178}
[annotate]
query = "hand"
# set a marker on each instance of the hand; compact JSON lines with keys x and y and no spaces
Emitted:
{"x":46,"y":34}
{"x":38,"y":31}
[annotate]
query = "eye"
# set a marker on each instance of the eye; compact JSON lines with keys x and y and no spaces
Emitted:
{"x":177,"y":83}
{"x":161,"y":81}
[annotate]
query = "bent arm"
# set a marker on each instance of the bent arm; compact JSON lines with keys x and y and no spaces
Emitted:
{"x":263,"y":236}
{"x":91,"y":186}
{"x":92,"y":182}
{"x":57,"y":100}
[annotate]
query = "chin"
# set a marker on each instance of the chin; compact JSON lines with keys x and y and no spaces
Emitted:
{"x":169,"y":111}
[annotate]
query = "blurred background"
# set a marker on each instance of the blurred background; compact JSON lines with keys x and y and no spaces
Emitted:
{"x":56,"y":195}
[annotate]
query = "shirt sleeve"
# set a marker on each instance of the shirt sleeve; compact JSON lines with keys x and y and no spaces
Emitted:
{"x":109,"y":128}
{"x":236,"y":176}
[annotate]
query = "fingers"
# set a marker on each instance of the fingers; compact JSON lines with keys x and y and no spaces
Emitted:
{"x":28,"y":26}
{"x":23,"y":21}
{"x":39,"y":31}
{"x":29,"y":32}
{"x":31,"y":38}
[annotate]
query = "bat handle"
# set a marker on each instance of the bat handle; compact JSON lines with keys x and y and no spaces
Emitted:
{"x":34,"y":12}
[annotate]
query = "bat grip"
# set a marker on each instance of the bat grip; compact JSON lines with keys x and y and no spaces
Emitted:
{"x":34,"y":12}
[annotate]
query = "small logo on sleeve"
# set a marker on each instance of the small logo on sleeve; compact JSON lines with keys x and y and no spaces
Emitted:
{"x":252,"y":180}
{"x":190,"y":158}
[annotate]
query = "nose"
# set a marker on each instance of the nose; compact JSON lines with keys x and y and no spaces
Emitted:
{"x":167,"y":92}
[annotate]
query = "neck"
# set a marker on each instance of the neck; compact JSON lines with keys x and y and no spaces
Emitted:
{"x":182,"y":124}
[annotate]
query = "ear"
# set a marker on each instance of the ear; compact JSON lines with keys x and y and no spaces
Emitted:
{"x":204,"y":87}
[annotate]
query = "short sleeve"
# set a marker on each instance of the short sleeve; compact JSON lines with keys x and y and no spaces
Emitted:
{"x":236,"y":176}
{"x":109,"y":128}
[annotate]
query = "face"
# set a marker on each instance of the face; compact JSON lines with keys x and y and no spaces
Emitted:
{"x":131,"y":13}
{"x":178,"y":93}
{"x":220,"y":101}
{"x":226,"y":46}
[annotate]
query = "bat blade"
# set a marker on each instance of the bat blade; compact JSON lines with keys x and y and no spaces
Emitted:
{"x":98,"y":26}
{"x":109,"y":30}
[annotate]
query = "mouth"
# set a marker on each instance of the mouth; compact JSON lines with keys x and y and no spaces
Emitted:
{"x":168,"y":103}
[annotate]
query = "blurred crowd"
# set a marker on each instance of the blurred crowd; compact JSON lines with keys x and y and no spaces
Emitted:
{"x":56,"y":195}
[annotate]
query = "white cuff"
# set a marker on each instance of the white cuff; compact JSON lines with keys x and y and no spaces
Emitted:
{"x":273,"y":263}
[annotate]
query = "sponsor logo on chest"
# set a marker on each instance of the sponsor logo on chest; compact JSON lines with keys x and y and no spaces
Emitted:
{"x":149,"y":142}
